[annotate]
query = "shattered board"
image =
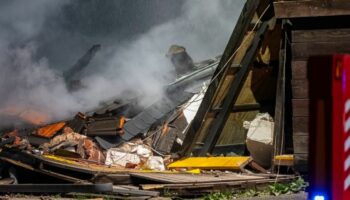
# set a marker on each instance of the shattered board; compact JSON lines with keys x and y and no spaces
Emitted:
{"x":193,"y":178}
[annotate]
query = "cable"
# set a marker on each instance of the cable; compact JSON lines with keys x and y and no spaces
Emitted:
{"x":282,"y":142}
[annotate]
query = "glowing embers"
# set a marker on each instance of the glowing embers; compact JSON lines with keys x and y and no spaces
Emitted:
{"x":50,"y":130}
{"x":27,"y":115}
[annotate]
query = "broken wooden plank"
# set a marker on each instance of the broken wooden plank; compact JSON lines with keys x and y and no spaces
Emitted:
{"x":215,"y":185}
{"x":116,"y":178}
{"x":187,"y":178}
{"x":311,"y":8}
{"x":43,"y":171}
{"x":257,"y":167}
{"x":137,"y":192}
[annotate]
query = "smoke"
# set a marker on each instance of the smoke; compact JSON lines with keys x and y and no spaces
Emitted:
{"x":40,"y":39}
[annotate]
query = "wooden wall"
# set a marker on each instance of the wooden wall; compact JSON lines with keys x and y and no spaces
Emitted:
{"x":307,"y":43}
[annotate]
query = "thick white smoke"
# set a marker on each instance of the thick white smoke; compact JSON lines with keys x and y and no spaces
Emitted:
{"x":29,"y":80}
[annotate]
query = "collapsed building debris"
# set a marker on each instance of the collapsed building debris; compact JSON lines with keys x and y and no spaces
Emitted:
{"x":201,"y":114}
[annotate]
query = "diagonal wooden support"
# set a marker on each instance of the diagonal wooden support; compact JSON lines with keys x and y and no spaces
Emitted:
{"x":237,"y":36}
{"x":230,"y":100}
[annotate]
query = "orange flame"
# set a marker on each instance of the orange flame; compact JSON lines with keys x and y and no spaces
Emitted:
{"x":26,"y":114}
{"x":50,"y":130}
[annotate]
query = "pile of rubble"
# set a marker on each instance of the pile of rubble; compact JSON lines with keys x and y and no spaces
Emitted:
{"x":62,"y":140}
{"x":118,"y":133}
{"x":121,"y":148}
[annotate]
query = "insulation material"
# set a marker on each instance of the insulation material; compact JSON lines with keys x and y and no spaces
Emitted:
{"x":115,"y":157}
{"x":142,"y":151}
{"x":155,"y":163}
{"x":129,"y":155}
{"x":260,"y":139}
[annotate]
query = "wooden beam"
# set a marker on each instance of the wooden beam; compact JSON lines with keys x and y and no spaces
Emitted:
{"x":237,"y":36}
{"x":319,"y":35}
{"x":241,"y":107}
{"x":278,"y":133}
{"x":311,"y":8}
{"x":302,"y":51}
{"x":233,"y":93}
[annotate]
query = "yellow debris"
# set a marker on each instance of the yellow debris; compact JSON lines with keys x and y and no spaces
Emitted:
{"x":284,"y":157}
{"x":101,"y":167}
{"x":284,"y":160}
{"x":60,"y":159}
{"x":220,"y":163}
{"x":194,"y":171}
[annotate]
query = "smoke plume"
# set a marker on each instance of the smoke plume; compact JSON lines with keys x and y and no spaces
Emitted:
{"x":39,"y":39}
